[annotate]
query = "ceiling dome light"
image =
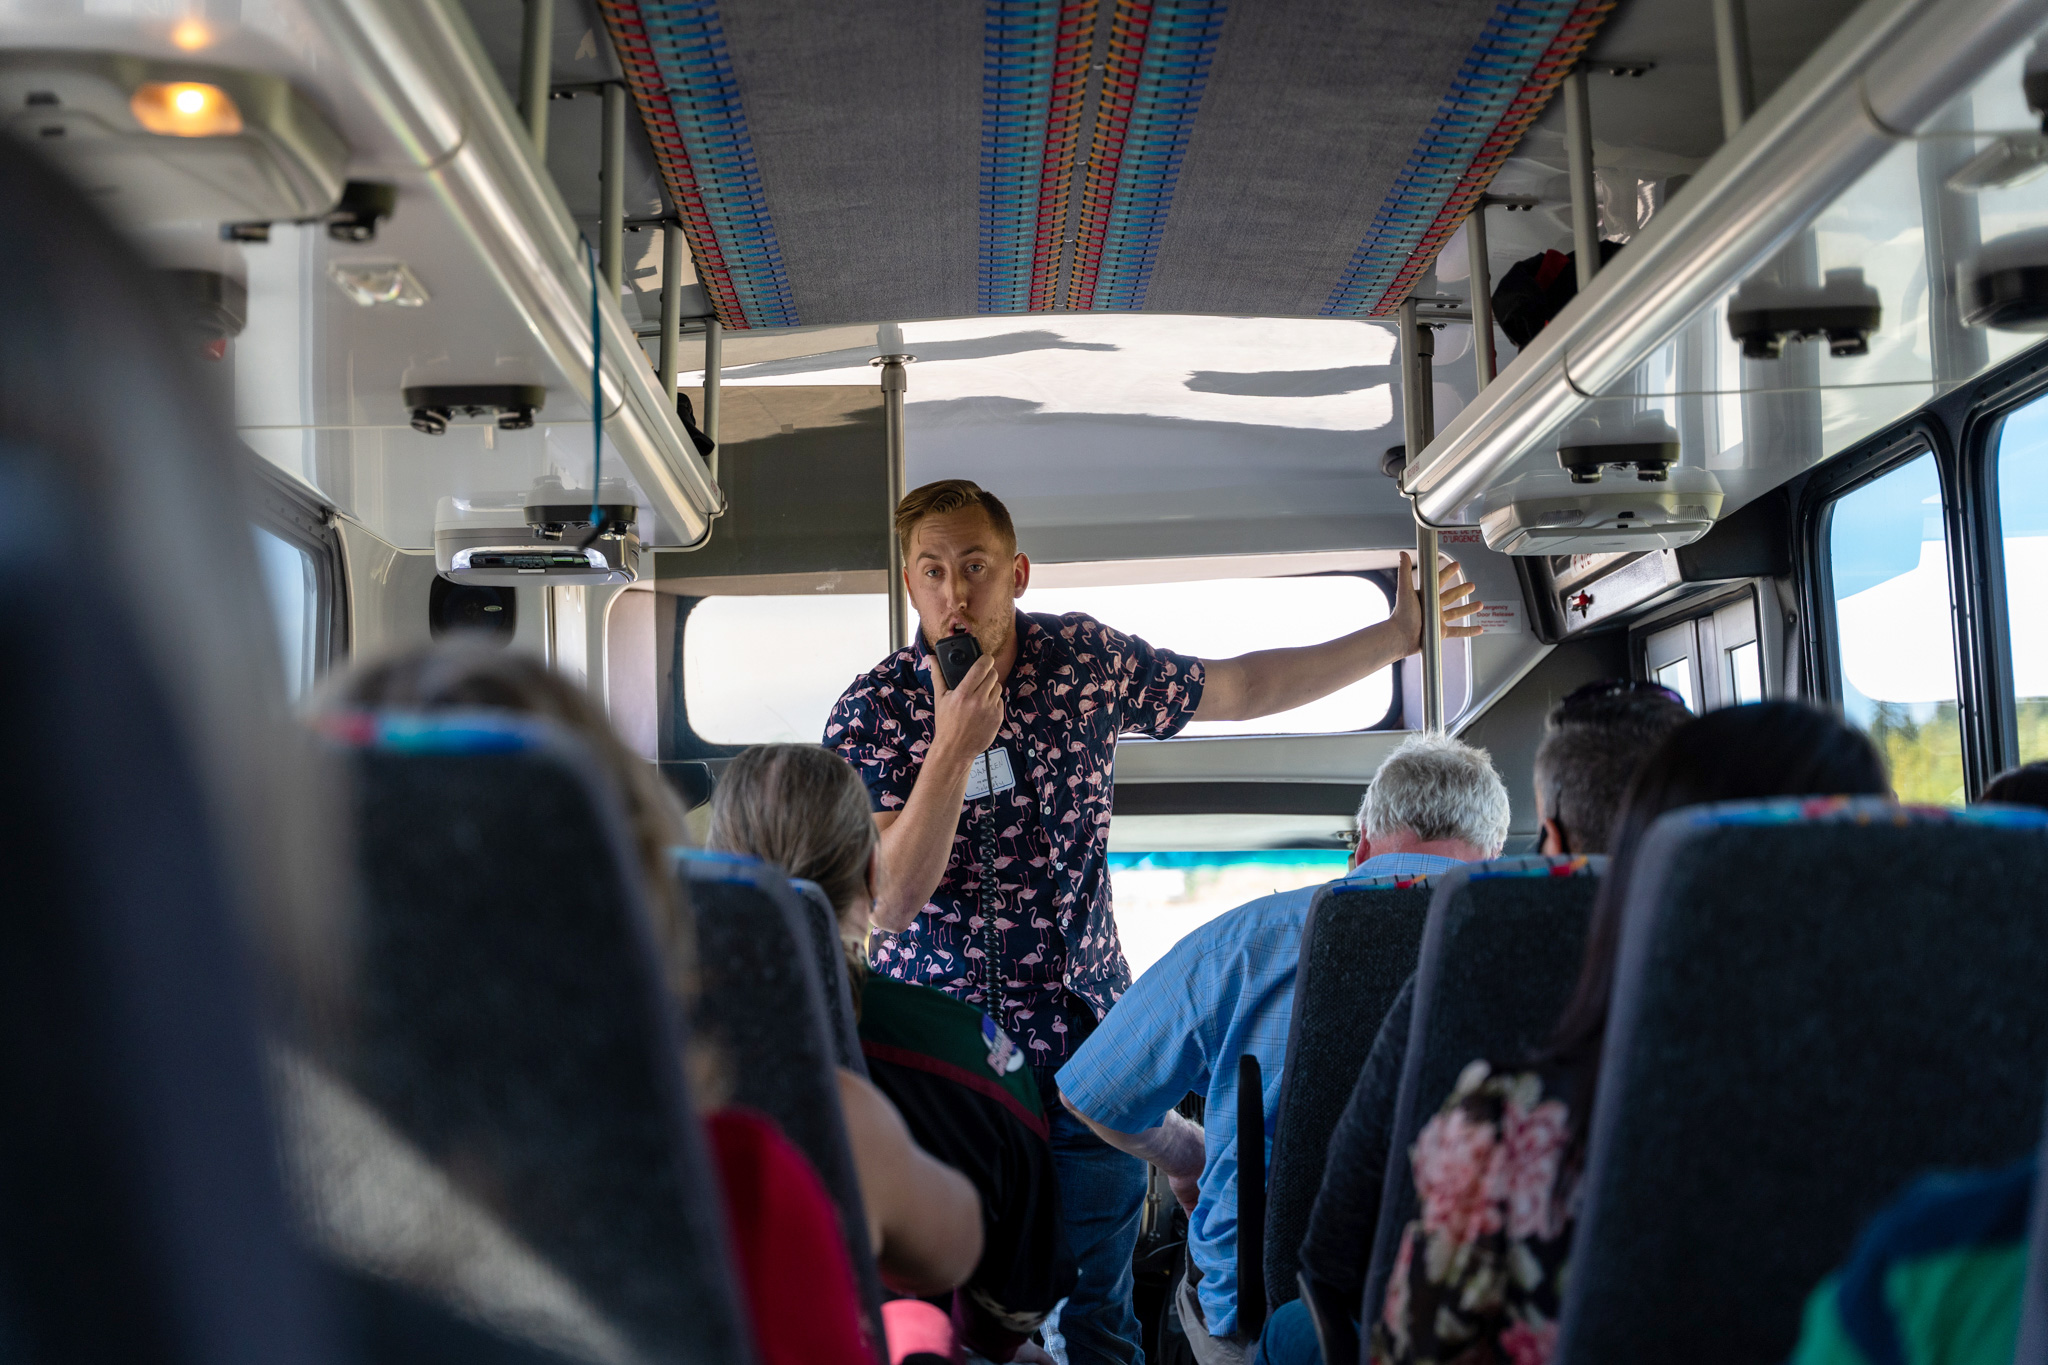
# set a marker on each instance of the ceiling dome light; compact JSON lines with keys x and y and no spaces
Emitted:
{"x":192,"y":34}
{"x":186,"y":109}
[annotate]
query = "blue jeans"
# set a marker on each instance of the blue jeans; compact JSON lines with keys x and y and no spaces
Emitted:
{"x":1102,"y":1192}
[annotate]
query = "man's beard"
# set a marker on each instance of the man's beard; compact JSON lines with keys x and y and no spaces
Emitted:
{"x":992,"y":635}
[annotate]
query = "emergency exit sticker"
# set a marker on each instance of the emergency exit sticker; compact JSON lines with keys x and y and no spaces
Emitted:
{"x":1460,"y":535}
{"x":1499,"y":618}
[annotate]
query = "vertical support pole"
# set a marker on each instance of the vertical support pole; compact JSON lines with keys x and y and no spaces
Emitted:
{"x":1480,"y":273}
{"x":1578,"y":150}
{"x":1418,"y":354}
{"x":536,"y":71}
{"x":1731,"y":59}
{"x":894,"y":382}
{"x":671,"y":311}
{"x":713,"y":362}
{"x":611,"y":232}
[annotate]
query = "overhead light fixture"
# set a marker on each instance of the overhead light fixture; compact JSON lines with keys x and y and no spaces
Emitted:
{"x":370,"y":283}
{"x":185,"y":109}
{"x":166,"y":142}
{"x":192,"y":34}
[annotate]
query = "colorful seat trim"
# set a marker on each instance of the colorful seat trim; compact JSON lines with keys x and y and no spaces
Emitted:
{"x":1539,"y":865}
{"x":1859,"y":810}
{"x":717,"y":865}
{"x":437,"y":732}
{"x":1522,"y":55}
{"x":681,"y":76}
{"x":1391,"y":881}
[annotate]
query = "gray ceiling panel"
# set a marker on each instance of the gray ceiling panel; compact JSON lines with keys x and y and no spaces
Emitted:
{"x":1313,"y":108}
{"x":903,"y":159}
{"x":866,"y":122}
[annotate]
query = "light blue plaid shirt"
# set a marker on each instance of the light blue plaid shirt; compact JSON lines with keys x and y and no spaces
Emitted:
{"x":1224,"y":990}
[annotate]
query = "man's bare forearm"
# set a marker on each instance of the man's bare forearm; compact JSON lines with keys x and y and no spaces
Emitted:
{"x":1175,"y":1146}
{"x":1269,"y":681}
{"x":918,"y":842}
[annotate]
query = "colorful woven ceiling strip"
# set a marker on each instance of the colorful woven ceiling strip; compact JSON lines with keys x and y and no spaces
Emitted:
{"x":1034,"y":79}
{"x":676,"y":64}
{"x":1159,"y":55}
{"x":1522,"y":56}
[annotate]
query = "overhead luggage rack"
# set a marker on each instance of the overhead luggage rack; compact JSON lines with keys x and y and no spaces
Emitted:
{"x":1868,"y":92}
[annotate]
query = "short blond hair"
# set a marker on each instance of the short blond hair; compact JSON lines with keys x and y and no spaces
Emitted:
{"x":952,"y":495}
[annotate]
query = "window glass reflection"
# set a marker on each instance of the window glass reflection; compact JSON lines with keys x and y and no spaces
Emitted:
{"x":2023,"y":518}
{"x":1889,"y":561}
{"x":290,"y":582}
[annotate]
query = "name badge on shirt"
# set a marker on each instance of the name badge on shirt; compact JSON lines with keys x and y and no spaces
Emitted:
{"x":991,"y":773}
{"x":1004,"y":1056}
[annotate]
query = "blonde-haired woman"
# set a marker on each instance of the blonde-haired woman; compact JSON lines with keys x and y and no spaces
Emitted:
{"x":957,"y":1079}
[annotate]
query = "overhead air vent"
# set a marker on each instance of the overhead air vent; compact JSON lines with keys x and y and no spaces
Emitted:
{"x":165,"y":142}
{"x":2007,"y":285}
{"x":545,"y":536}
{"x":1542,"y":514}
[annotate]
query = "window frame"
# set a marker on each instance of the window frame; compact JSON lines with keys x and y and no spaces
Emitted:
{"x":1961,"y":430}
{"x":681,"y":741}
{"x":296,"y":516}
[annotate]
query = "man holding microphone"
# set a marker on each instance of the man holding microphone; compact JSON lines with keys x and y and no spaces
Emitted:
{"x":993,"y":802}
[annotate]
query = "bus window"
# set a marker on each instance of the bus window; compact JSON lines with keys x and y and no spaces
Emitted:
{"x":292,"y":581}
{"x":1220,"y":618}
{"x":766,"y":669}
{"x":1162,"y":897}
{"x":1888,"y":559}
{"x":2023,"y":519}
{"x":1671,"y":658}
{"x":1745,"y":674}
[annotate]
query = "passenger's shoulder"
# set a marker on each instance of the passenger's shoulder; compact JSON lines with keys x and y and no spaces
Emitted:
{"x":1268,"y":925}
{"x":886,"y":1002}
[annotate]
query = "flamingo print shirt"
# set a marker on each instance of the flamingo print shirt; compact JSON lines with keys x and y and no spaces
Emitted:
{"x":1021,"y":924}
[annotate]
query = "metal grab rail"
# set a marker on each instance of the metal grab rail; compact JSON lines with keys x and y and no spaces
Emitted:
{"x":1887,"y":67}
{"x":420,"y":64}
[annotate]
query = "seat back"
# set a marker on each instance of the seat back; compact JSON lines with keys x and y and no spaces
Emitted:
{"x":760,"y":1004}
{"x":2033,"y":1342}
{"x":819,"y":920}
{"x":144,"y":1215}
{"x":1814,"y":1002}
{"x":514,"y":1080}
{"x":163,"y":841}
{"x":1357,"y":947}
{"x":1500,"y":955}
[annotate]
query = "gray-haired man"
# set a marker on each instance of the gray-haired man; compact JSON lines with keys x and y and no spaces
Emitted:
{"x":1228,"y":989}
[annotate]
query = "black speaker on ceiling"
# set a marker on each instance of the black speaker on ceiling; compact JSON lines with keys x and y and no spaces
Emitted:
{"x":472,"y":611}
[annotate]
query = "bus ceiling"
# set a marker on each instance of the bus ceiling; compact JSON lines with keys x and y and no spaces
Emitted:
{"x":1790,"y":227}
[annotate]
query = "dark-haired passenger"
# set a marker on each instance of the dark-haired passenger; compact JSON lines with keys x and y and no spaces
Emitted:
{"x":2026,"y":785}
{"x":960,"y":1083}
{"x":1481,"y":1273}
{"x":1594,"y":741}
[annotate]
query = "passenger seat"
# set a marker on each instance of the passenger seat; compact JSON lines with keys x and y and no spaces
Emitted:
{"x":1500,"y":956}
{"x":507,"y":1132}
{"x":762,"y":1005}
{"x":1358,"y":945}
{"x":1815,"y":1001}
